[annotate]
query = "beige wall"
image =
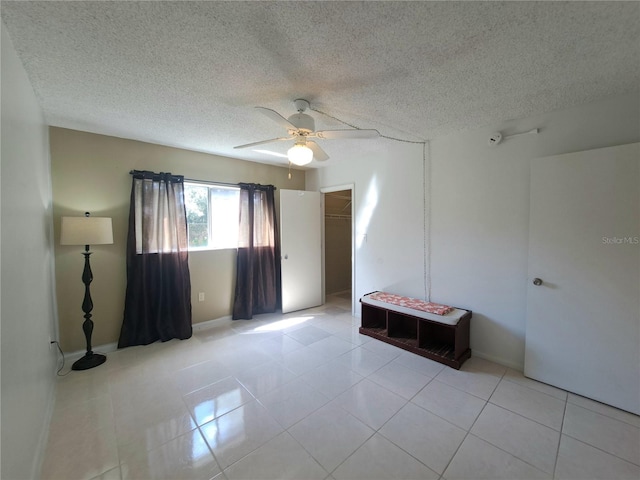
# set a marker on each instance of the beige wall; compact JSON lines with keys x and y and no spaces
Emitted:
{"x":337,"y":234}
{"x":91,"y":173}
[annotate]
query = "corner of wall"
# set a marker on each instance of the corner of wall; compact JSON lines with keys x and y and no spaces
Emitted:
{"x":28,"y":313}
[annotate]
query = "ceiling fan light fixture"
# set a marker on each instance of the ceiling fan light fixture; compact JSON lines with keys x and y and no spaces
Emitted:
{"x":301,"y":128}
{"x":300,"y":155}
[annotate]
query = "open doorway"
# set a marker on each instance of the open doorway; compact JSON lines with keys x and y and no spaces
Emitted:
{"x":338,"y":246}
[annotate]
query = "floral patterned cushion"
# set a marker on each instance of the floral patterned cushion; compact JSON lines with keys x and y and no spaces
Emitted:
{"x":412,"y":303}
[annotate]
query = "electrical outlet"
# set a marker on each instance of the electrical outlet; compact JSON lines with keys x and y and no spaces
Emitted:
{"x":201,"y":297}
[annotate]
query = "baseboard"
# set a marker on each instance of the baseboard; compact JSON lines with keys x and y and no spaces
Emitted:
{"x":210,"y":323}
{"x":112,"y":347}
{"x":103,"y":349}
{"x":43,"y":439}
{"x":501,"y":361}
{"x":340,"y":292}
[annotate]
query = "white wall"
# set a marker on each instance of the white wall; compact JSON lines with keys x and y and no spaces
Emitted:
{"x":388,"y":206}
{"x":28,"y":321}
{"x":480,"y":214}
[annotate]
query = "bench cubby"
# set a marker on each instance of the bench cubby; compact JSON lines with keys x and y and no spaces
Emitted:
{"x":444,"y":343}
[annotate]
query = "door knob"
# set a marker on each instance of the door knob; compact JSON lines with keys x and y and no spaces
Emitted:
{"x":537,"y":282}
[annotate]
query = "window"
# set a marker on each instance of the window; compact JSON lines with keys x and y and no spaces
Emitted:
{"x":212,"y":216}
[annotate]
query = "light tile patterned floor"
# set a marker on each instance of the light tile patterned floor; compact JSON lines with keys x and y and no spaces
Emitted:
{"x":304,"y":396}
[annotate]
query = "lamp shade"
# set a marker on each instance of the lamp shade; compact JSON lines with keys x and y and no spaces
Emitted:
{"x":86,"y":231}
{"x":300,"y":154}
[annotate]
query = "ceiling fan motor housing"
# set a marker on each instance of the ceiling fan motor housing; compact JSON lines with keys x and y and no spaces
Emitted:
{"x":303,"y":122}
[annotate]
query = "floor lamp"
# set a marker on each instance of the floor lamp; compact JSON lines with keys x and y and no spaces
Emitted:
{"x":87,"y":231}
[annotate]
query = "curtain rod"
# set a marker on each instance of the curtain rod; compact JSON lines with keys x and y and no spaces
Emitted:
{"x":208,"y":182}
{"x":222,"y":184}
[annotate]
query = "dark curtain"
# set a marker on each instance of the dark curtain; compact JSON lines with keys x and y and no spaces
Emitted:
{"x":158,"y":296}
{"x":258,"y":262}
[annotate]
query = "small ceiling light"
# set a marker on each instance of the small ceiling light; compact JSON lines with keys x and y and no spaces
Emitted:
{"x":300,"y":154}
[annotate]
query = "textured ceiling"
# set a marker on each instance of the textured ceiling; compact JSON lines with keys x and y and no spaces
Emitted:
{"x":187,"y":74}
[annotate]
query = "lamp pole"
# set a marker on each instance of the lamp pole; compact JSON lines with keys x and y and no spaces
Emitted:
{"x":87,"y":231}
{"x":90,"y":359}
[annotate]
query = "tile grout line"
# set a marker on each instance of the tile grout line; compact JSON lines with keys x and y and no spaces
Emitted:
{"x":435,"y":414}
{"x":398,"y":446}
{"x":487,"y":441}
{"x":468,"y":432}
{"x":377,"y":431}
{"x":351,"y":454}
{"x":601,"y":450}
{"x":461,"y":390}
{"x":396,"y":413}
{"x":538,"y":391}
{"x":564,"y":415}
{"x":524,"y":416}
{"x":527,"y":418}
{"x":603,"y":414}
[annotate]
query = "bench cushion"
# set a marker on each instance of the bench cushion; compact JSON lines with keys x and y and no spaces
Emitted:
{"x":414,"y":307}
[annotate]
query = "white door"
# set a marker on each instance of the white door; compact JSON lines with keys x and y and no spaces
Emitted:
{"x":301,"y":249}
{"x":583,"y":320}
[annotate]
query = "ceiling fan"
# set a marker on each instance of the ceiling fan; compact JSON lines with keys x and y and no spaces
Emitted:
{"x":301,"y":127}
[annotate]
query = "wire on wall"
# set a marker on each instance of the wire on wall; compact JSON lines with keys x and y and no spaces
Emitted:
{"x":63,"y":360}
{"x":61,"y":366}
{"x":426,"y":198}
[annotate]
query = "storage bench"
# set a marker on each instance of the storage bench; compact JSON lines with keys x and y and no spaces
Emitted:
{"x":443,"y":338}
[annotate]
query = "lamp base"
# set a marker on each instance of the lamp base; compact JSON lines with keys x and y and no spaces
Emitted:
{"x":90,"y":360}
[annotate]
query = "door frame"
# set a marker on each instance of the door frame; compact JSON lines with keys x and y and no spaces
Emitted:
{"x":338,"y":188}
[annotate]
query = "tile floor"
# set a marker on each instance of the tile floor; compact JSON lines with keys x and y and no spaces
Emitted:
{"x":304,"y":396}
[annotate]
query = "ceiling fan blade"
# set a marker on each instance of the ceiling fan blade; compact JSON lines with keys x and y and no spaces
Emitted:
{"x":247,"y":145}
{"x":353,"y":133}
{"x":318,"y":153}
{"x":269,"y":152}
{"x":276,"y":117}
